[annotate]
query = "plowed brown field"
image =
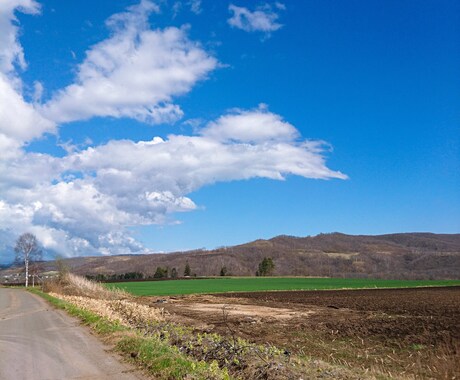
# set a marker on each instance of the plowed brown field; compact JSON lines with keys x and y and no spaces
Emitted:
{"x":399,"y":332}
{"x":415,"y":316}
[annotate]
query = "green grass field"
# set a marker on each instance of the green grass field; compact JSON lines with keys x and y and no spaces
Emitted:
{"x":252,"y":284}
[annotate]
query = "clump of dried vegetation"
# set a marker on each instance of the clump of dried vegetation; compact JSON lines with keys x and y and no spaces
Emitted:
{"x":73,"y":285}
{"x":124,"y":312}
{"x":115,"y":305}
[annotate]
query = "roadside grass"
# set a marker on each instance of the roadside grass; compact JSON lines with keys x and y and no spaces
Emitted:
{"x":151,"y":353}
{"x":253,"y":284}
{"x":99,"y":324}
{"x":167,"y":362}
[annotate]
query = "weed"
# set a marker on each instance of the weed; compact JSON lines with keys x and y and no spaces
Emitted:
{"x":417,"y":347}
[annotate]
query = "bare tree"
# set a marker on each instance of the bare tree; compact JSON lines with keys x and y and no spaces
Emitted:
{"x":27,"y":251}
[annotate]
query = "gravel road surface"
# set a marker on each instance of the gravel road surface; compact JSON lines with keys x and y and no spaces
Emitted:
{"x":38,"y":342}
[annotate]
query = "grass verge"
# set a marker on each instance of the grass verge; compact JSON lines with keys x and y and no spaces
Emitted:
{"x":95,"y":322}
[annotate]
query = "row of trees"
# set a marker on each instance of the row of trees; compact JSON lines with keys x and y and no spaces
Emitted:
{"x":266,"y":268}
{"x":160,"y":272}
{"x":117,"y":277}
{"x":165,"y":273}
{"x":28,"y":252}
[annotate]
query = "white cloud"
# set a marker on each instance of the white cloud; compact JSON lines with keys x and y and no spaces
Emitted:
{"x":166,"y":171}
{"x":85,"y":202}
{"x":9,"y":147}
{"x":38,"y":92}
{"x":135,"y":73}
{"x":19,"y":121}
{"x":18,"y":218}
{"x":27,"y":170}
{"x":11,"y":52}
{"x":263,"y":19}
{"x":250,"y":126}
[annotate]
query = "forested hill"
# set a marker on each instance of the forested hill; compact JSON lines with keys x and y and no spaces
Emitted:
{"x":406,"y":255}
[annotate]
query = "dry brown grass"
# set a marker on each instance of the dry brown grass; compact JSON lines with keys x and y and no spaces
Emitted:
{"x":71,"y":284}
{"x":113,"y":304}
{"x":124,"y":312}
{"x":441,"y":363}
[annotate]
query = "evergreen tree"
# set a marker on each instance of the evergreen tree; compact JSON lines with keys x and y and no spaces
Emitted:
{"x":266,"y":267}
{"x":187,"y":270}
{"x":161,"y":273}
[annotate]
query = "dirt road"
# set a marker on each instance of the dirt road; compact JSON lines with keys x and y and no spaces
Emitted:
{"x":38,"y":342}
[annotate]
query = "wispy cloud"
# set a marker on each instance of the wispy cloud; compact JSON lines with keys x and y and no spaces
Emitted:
{"x":262,"y":19}
{"x":195,"y":6}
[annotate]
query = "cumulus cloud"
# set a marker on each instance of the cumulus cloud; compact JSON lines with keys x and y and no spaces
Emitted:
{"x":262,"y":19}
{"x":85,"y":202}
{"x":19,"y":218}
{"x":250,"y":126}
{"x":135,"y":73}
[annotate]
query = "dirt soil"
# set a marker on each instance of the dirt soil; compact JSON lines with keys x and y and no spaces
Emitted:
{"x":409,"y":332}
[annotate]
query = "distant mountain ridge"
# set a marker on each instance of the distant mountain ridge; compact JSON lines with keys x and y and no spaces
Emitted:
{"x":401,"y":255}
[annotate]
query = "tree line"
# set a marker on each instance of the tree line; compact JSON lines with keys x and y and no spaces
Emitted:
{"x":266,"y":268}
{"x":160,"y":272}
{"x":28,"y":253}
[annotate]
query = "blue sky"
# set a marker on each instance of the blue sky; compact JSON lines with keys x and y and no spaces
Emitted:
{"x":130,"y":126}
